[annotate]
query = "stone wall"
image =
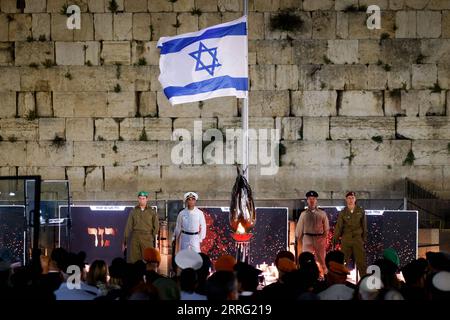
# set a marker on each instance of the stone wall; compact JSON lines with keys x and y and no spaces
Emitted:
{"x":358,"y":109}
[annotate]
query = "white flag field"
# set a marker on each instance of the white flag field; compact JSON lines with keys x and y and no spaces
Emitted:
{"x":205,"y":64}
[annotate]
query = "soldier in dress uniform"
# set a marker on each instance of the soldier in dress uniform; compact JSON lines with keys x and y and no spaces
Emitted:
{"x":141,"y":229}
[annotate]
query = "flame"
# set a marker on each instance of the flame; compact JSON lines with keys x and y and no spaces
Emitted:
{"x":240,"y":229}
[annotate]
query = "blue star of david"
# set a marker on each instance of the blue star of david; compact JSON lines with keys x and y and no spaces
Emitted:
{"x":200,"y":65}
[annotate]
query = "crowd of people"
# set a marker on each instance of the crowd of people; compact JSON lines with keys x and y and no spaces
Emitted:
{"x":55,"y":277}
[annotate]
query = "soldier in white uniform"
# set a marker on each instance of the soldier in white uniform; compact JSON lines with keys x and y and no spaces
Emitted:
{"x":190,"y":229}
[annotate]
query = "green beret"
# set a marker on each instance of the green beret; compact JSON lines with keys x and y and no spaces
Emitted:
{"x":143,"y":194}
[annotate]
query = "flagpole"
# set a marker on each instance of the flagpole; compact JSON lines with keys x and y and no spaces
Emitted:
{"x":244,"y":114}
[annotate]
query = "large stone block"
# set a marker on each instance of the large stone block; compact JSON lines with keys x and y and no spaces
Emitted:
{"x":141,"y":27}
{"x":7,"y":105}
{"x":56,"y":5}
{"x":59,"y":31}
{"x":400,"y":52}
{"x":286,"y":77}
{"x":361,"y":103}
{"x":314,"y":103}
{"x":324,"y":25}
{"x":144,"y":50}
{"x":262,"y":77}
{"x":147,"y":104}
{"x":83,"y":104}
{"x":363,"y":128}
{"x":428,"y":24}
{"x":26,"y":104}
{"x":219,"y":107}
{"x":20,"y":27}
{"x":275,"y":52}
{"x":333,"y":77}
{"x":254,"y":123}
{"x":158,"y":128}
{"x":123,"y":26}
{"x":303,"y":32}
{"x":269,"y":103}
{"x":47,"y":154}
{"x":131,"y":128}
{"x":51,"y":127}
{"x":191,"y":123}
{"x":307,"y":51}
{"x":116,"y":52}
{"x":94,"y":179}
{"x":120,"y":178}
{"x":399,"y":77}
{"x":311,"y":5}
{"x":424,"y":76}
{"x":92,"y":53}
{"x":162,"y":24}
{"x":140,"y":153}
{"x":40,"y":26}
{"x":44,"y":104}
{"x":106,"y":129}
{"x":208,"y":19}
{"x":315,"y":153}
{"x":135,"y":5}
{"x":79,"y":129}
{"x":390,"y":152}
{"x":422,"y":103}
{"x":187,"y":22}
{"x":377,"y":77}
{"x":69,"y":53}
{"x":121,"y":104}
{"x":342,"y":25}
{"x":424,"y":128}
{"x":431,"y":152}
{"x":446,"y":24}
{"x":4,"y":27}
{"x":316,"y":128}
{"x":103,"y":26}
{"x":119,"y":3}
{"x":9,"y":6}
{"x":444,"y":76}
{"x":435,"y":50}
{"x":13,"y":153}
{"x":160,"y":6}
{"x":34,"y":52}
{"x":406,"y":22}
{"x":76,"y":178}
{"x":93,"y":153}
{"x":343,"y":51}
{"x":369,"y":51}
{"x":290,"y":127}
{"x":19,"y":129}
{"x":149,"y":178}
{"x":6,"y":54}
{"x":255,"y":25}
{"x":86,"y":33}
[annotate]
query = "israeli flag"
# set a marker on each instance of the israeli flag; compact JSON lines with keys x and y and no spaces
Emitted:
{"x":205,"y":64}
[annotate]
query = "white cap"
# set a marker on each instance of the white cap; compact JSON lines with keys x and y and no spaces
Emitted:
{"x":188,"y":258}
{"x":441,"y":281}
{"x":190,"y":194}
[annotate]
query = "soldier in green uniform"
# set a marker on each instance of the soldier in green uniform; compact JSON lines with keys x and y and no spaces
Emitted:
{"x":141,"y":229}
{"x":351,"y":226}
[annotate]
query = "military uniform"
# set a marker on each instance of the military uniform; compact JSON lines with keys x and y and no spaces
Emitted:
{"x":351,"y":226}
{"x":311,"y":233}
{"x":140,"y":232}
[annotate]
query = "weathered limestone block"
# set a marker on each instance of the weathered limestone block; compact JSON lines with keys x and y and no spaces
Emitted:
{"x":82,"y":104}
{"x":144,"y":50}
{"x":34,"y":52}
{"x":286,"y":77}
{"x":26,"y":104}
{"x":269,"y":103}
{"x":399,"y":77}
{"x":120,"y":178}
{"x":116,"y":52}
{"x":149,"y":178}
{"x":424,"y":128}
{"x":13,"y":153}
{"x":160,"y":6}
{"x":363,"y":128}
{"x":324,"y":25}
{"x":276,"y":52}
{"x":307,"y":51}
{"x":166,"y":110}
{"x":135,"y":6}
{"x":4,"y":27}
{"x":106,"y":129}
{"x":69,"y":53}
{"x":304,"y":32}
{"x":131,"y":128}
{"x":187,"y":22}
{"x":158,"y":128}
{"x":103,"y":26}
{"x":86,"y":33}
{"x":406,"y":22}
{"x":400,"y":52}
{"x":435,"y":50}
{"x":20,"y":27}
{"x":446,"y":24}
{"x":377,"y":77}
{"x":40,"y":26}
{"x":76,"y":178}
{"x":361,"y":103}
{"x":333,"y":77}
{"x":369,"y":51}
{"x":424,"y":76}
{"x":431,"y":152}
{"x":121,"y":104}
{"x":9,"y":6}
{"x":262,"y":77}
{"x":93,"y":153}
{"x":123,"y":26}
{"x":92,"y":53}
{"x":19,"y":129}
{"x":56,"y":5}
{"x":316,"y":153}
{"x":428,"y":24}
{"x":444,"y":76}
{"x":162,"y":25}
{"x":79,"y":129}
{"x":291,"y":127}
{"x":255,"y":25}
{"x":389,"y":152}
{"x":208,"y":19}
{"x":343,"y":51}
{"x":46,"y":154}
{"x":311,"y":5}
{"x":44,"y":104}
{"x":341,"y":25}
{"x":140,"y":153}
{"x":191,"y":123}
{"x":255,"y":123}
{"x":59,"y":29}
{"x":7,"y":105}
{"x":51,"y":127}
{"x":6,"y":54}
{"x":423,"y":103}
{"x":119,"y":5}
{"x":94,"y":178}
{"x":316,"y":128}
{"x":314,"y":103}
{"x":341,"y":5}
{"x":219,"y":107}
{"x":147,"y":104}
